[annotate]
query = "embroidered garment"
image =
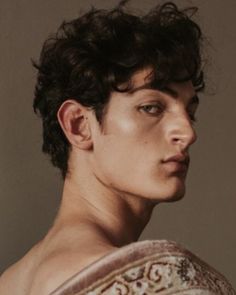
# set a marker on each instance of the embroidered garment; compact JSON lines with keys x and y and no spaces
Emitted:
{"x":145,"y":268}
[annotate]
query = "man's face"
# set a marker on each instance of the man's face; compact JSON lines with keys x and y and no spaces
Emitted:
{"x":142,"y":130}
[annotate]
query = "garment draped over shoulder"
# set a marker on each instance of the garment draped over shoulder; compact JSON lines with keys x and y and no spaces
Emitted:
{"x":147,"y":267}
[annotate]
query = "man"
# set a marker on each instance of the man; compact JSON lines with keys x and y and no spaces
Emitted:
{"x":117,"y":94}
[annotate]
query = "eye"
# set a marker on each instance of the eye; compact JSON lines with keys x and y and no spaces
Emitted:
{"x":152,"y":109}
{"x":192,"y":108}
{"x":192,"y":113}
{"x":193,"y":118}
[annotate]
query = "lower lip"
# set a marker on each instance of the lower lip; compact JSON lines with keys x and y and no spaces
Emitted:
{"x":174,"y":166}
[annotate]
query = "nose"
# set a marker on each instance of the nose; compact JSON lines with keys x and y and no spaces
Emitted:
{"x":182,"y":133}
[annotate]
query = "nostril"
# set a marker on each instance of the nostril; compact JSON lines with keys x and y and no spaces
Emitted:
{"x":185,"y":139}
{"x":176,"y":139}
{"x":183,"y":133}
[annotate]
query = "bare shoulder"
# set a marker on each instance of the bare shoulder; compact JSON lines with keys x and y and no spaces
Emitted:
{"x":51,"y":262}
{"x":58,"y":268}
{"x":17,"y":278}
{"x":9,"y":279}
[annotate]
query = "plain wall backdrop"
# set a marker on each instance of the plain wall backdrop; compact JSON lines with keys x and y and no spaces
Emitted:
{"x":30,"y":188}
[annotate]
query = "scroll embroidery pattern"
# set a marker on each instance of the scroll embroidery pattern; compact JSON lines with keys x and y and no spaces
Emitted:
{"x":163,"y":275}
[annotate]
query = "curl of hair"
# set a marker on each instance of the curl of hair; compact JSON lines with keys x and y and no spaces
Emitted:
{"x":99,"y":52}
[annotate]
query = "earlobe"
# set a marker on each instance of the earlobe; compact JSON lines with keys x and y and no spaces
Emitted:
{"x":72,"y":117}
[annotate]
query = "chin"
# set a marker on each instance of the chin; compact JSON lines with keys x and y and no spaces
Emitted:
{"x":177,"y":194}
{"x":167,"y":195}
{"x":174,"y":198}
{"x":177,"y":189}
{"x":174,"y":193}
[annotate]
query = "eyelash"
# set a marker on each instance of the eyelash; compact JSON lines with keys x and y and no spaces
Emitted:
{"x":193,"y":118}
{"x":161,"y":108}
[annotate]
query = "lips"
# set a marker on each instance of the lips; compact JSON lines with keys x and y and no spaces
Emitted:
{"x":180,"y":158}
{"x":177,"y":163}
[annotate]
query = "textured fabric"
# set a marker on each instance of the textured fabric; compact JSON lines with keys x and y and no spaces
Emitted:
{"x":147,"y":267}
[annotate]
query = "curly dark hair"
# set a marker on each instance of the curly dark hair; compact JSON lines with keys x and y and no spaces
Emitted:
{"x":99,"y":52}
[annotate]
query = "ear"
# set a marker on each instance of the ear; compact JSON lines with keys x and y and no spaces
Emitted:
{"x":74,"y":122}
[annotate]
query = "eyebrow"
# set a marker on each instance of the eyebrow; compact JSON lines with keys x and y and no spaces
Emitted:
{"x":145,"y":86}
{"x":173,"y":93}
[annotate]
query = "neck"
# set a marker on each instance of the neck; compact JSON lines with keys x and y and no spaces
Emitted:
{"x":115,"y":217}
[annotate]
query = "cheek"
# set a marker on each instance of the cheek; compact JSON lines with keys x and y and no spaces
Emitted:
{"x":113,"y":156}
{"x":129,"y":151}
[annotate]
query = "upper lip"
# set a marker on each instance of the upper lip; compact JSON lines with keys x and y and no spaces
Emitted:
{"x":181,"y":158}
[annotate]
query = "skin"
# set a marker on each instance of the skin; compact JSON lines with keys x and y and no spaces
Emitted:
{"x":116,"y":177}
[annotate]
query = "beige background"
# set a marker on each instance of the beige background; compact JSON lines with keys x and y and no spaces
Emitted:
{"x":30,"y":188}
